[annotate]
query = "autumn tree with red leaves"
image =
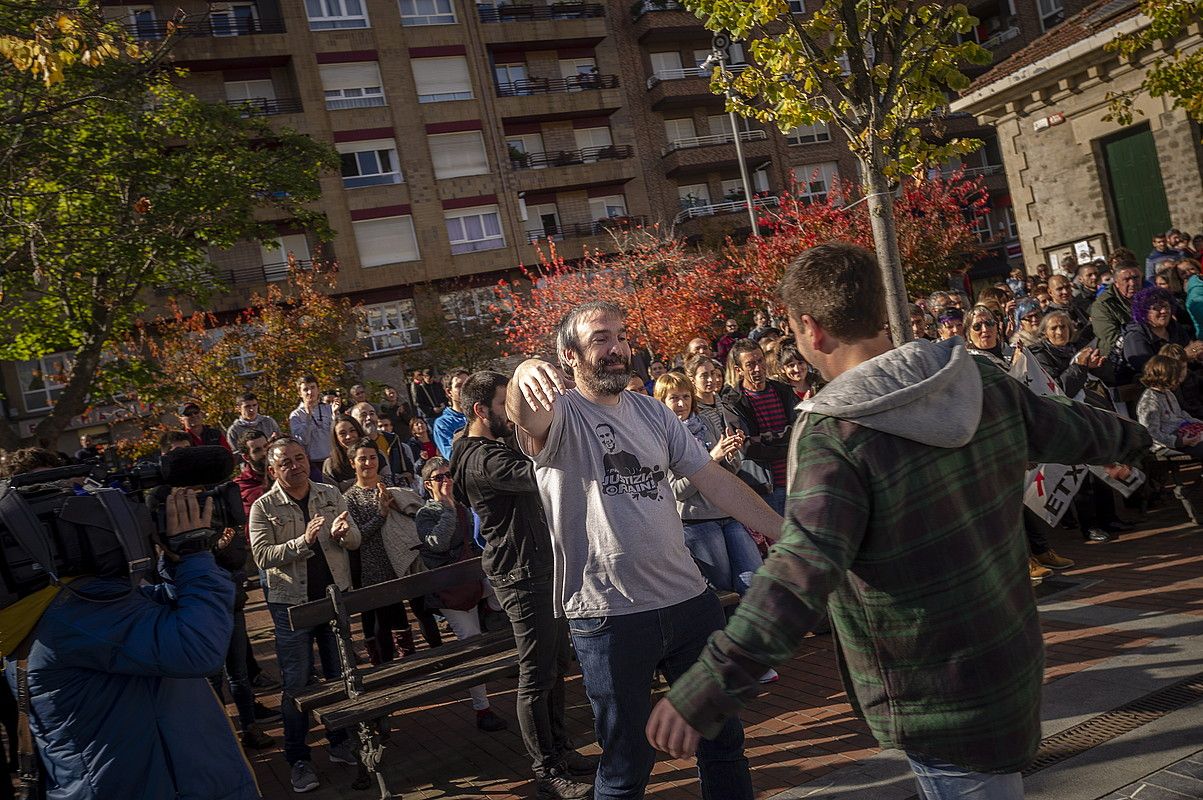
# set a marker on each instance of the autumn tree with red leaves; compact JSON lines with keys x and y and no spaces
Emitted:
{"x":671,"y":293}
{"x":294,"y":328}
{"x":934,"y":218}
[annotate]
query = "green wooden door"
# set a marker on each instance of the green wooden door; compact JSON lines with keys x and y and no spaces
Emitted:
{"x":1137,"y":191}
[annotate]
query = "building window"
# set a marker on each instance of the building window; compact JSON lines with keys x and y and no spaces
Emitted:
{"x":141,"y":22}
{"x":328,"y":14}
{"x":543,"y":222}
{"x":796,"y":6}
{"x":244,"y":363}
{"x":815,"y":181}
{"x":369,"y":163}
{"x":981,"y":227}
{"x":694,"y":195}
{"x":679,"y":130}
{"x":388,"y":240}
{"x":1008,"y":225}
{"x":470,"y":308}
{"x":275,"y":259}
{"x":1052,"y":12}
{"x":251,"y":92}
{"x":809,"y":134}
{"x":427,"y":12}
{"x":356,"y":85}
{"x":439,"y":80}
{"x":471,"y":230}
{"x":43,"y":380}
{"x":614,"y":205}
{"x":389,"y":326}
{"x":235,"y":19}
{"x":458,"y":154}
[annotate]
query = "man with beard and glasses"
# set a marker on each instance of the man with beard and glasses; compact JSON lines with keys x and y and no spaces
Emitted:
{"x":635,"y":600}
{"x":499,"y":483}
{"x":393,"y":454}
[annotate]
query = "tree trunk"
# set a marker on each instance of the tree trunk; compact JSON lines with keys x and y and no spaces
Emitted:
{"x":885,"y":240}
{"x":74,"y":399}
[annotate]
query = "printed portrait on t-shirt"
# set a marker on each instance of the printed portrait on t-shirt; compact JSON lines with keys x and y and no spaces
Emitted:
{"x":623,"y":474}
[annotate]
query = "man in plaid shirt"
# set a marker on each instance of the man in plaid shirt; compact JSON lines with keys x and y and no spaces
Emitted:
{"x":903,"y":520}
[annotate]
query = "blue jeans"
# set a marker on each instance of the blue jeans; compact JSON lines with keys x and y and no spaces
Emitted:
{"x":294,"y":652}
{"x":725,"y":553}
{"x":939,"y":780}
{"x":619,"y":657}
{"x":776,"y":500}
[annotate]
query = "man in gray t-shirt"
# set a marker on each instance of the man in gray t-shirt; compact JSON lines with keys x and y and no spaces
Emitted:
{"x":635,"y":601}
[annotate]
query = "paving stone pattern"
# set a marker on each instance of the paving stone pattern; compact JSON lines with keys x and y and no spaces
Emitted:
{"x":801,"y":727}
{"x":1180,"y":781}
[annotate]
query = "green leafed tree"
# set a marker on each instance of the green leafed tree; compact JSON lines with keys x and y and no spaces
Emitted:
{"x":1177,"y":71}
{"x":880,"y":72}
{"x":118,"y":201}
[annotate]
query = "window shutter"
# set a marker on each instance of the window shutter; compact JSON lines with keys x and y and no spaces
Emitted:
{"x":350,"y":76}
{"x":441,"y":75}
{"x":385,"y":241}
{"x":366,"y":144}
{"x":456,"y":154}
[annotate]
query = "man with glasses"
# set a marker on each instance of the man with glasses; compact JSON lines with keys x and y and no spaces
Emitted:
{"x":1113,"y":310}
{"x":249,"y":419}
{"x":192,"y":420}
{"x":300,"y":534}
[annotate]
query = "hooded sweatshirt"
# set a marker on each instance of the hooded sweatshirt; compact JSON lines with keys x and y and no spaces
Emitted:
{"x":903,"y":519}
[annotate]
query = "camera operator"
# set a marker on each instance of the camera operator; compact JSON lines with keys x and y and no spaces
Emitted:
{"x":118,"y":704}
{"x":300,"y":534}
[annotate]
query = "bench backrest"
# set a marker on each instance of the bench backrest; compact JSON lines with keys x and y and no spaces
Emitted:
{"x":379,"y":595}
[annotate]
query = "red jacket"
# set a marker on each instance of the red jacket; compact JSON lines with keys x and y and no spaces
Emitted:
{"x":251,"y":485}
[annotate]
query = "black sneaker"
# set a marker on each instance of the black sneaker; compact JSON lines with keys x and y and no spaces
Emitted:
{"x":579,"y":766}
{"x":265,"y":683}
{"x":255,"y":739}
{"x":265,"y":715}
{"x":303,"y":778}
{"x":559,"y":786}
{"x":490,"y":722}
{"x":1097,"y":535}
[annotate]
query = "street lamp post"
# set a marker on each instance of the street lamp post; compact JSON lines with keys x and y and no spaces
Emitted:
{"x":718,"y":55}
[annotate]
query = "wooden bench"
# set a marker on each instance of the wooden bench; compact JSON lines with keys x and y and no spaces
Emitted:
{"x":364,"y":698}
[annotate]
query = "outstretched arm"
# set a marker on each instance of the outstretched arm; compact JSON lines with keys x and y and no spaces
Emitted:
{"x":530,"y":399}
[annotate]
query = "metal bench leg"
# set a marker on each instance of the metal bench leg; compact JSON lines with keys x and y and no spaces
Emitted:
{"x":371,"y":748}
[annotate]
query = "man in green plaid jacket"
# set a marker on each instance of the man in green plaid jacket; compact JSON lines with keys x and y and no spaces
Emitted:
{"x":903,"y":522}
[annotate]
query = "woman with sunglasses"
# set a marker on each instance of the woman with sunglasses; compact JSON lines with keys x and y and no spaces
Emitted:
{"x":1028,"y":313}
{"x":983,"y":339}
{"x":446,"y":529}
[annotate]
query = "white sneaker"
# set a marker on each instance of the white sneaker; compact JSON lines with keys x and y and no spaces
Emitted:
{"x":304,"y":779}
{"x":770,"y":677}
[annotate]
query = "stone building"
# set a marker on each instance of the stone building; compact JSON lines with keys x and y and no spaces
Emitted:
{"x":1079,"y":182}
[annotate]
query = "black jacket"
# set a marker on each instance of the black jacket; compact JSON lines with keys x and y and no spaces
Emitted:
{"x":499,"y":483}
{"x":778,"y":448}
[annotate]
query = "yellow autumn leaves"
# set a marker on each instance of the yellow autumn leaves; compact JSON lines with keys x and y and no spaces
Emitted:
{"x":59,"y":41}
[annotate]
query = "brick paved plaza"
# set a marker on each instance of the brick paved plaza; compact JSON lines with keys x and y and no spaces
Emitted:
{"x":802,"y":727}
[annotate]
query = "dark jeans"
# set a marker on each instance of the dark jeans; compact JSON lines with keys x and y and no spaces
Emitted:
{"x":1094,"y":504}
{"x":236,"y":672}
{"x":775,"y":499}
{"x":619,"y":658}
{"x":294,"y":652}
{"x":543,"y":661}
{"x":1036,"y":531}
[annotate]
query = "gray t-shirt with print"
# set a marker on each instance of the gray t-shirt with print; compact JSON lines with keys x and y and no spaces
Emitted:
{"x":604,"y":478}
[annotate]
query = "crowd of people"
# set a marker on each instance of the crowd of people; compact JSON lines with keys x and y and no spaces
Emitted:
{"x":607,"y":492}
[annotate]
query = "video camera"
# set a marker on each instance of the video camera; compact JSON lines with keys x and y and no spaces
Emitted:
{"x":54,"y":525}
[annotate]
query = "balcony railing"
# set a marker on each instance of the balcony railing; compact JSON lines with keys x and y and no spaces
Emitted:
{"x":693,"y":211}
{"x":204,"y":26}
{"x":971,"y":172}
{"x":477,"y":245}
{"x":713,"y":139}
{"x":573,"y":83}
{"x":689,"y":72}
{"x":564,"y":158}
{"x":641,"y":7}
{"x":265,"y":107}
{"x":525,"y":13}
{"x":1000,"y":37}
{"x":265,"y":273}
{"x":583,"y":229}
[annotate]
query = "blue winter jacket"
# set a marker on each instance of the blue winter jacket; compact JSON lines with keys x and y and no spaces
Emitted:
{"x":120,"y":705}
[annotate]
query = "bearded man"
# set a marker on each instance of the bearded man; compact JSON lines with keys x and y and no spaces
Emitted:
{"x":634,"y":598}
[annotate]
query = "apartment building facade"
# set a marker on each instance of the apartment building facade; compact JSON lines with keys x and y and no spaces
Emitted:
{"x":473,"y":134}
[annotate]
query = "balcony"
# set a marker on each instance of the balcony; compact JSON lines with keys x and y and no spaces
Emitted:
{"x":664,"y":21}
{"x":686,"y":87}
{"x":584,"y":230}
{"x":531,"y":13}
{"x":205,"y":26}
{"x":573,"y":83}
{"x":717,"y":156}
{"x":713,"y":139}
{"x":257,"y":276}
{"x":565,"y":158}
{"x":694,"y":210}
{"x":265,"y":107}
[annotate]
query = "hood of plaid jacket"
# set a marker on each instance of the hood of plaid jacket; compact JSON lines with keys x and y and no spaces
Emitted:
{"x":927,"y":392}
